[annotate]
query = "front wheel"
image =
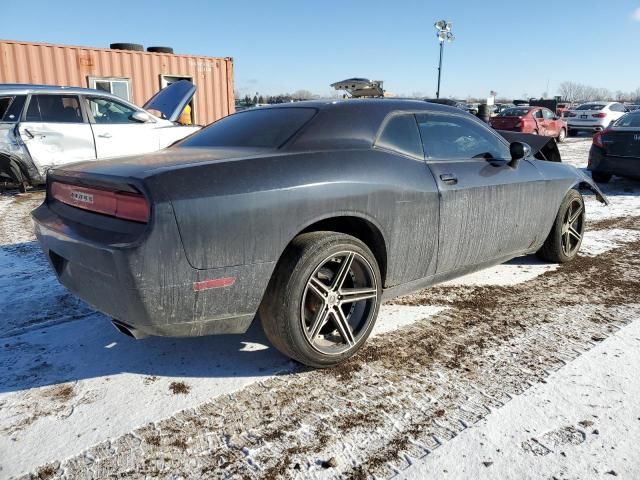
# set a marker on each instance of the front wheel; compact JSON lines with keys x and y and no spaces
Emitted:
{"x":323,"y":299}
{"x":564,"y":240}
{"x":562,"y":135}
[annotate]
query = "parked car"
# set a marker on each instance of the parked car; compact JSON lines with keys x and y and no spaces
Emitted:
{"x":48,"y":126}
{"x":616,"y":150}
{"x":501,"y":107}
{"x":594,"y":116}
{"x":311,"y":213}
{"x":447,"y":101}
{"x":535,"y":120}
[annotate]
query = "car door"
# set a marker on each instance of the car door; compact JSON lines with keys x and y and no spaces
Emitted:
{"x":551,"y":124}
{"x":116,"y":130}
{"x":55,"y":131}
{"x":487,"y":207}
{"x":539,"y":119}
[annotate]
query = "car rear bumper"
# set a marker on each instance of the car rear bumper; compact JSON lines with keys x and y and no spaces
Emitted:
{"x":587,"y":126}
{"x":149,"y":285}
{"x":622,"y":166}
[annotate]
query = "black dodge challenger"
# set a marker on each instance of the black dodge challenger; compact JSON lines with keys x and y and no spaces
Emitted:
{"x":311,"y":214}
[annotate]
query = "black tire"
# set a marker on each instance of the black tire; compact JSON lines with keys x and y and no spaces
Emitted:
{"x":555,"y":248}
{"x":284,"y":307}
{"x":571,"y":133}
{"x":601,"y":177}
{"x":160,"y":49}
{"x":136,"y":47}
{"x":562,"y":135}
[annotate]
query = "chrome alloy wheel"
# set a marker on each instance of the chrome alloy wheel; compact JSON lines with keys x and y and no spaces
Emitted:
{"x":572,"y":228}
{"x":339,"y":303}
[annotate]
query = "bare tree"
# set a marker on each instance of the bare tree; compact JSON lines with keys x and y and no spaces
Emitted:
{"x":570,"y":91}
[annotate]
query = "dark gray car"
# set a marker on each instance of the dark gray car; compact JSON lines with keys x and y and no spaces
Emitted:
{"x":312,"y":214}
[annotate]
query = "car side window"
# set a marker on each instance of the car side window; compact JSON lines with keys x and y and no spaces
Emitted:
{"x":108,"y":111}
{"x":11,"y":108}
{"x":400,"y":134}
{"x":453,"y":137}
{"x":548,"y":114}
{"x":617,"y":107}
{"x":54,"y":109}
{"x":538,"y":114}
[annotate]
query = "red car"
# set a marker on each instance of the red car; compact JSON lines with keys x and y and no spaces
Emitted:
{"x":536,"y":120}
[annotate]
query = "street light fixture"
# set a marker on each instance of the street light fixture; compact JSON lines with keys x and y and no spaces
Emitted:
{"x":444,"y":35}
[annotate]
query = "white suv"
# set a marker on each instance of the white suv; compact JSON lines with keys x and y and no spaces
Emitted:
{"x":42,"y":127}
{"x":594,"y":116}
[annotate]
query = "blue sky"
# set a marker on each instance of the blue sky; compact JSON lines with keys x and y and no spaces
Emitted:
{"x":513,"y":47}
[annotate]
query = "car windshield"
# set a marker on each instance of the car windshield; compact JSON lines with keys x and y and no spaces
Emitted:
{"x":514,"y":112}
{"x":629,"y":120}
{"x":266,"y":128}
{"x":591,"y":106}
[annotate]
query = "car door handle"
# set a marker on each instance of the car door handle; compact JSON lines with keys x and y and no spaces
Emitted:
{"x":105,"y":135}
{"x":449,"y":178}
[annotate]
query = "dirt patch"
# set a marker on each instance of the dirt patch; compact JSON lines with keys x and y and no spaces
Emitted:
{"x":61,"y":393}
{"x":179,"y":388}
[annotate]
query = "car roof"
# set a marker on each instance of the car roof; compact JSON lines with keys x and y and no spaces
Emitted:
{"x":26,"y":88}
{"x":352,"y":123}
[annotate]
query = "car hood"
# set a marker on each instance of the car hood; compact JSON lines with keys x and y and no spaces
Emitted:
{"x":172,"y":99}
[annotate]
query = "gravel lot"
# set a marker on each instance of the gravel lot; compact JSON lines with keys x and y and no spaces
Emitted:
{"x":448,"y":379}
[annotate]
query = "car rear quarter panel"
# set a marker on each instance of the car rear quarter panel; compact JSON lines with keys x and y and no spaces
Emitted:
{"x":247,"y":211}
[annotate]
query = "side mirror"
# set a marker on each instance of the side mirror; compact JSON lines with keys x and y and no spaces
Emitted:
{"x":519,"y":151}
{"x":141,"y":117}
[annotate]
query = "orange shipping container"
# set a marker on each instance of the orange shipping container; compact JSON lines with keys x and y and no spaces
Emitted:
{"x":133,"y":75}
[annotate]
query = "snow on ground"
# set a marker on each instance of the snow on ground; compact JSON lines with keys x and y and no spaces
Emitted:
{"x":583,"y":422}
{"x":64,"y":369}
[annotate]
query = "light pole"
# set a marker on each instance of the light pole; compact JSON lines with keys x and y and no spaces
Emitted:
{"x":444,"y":33}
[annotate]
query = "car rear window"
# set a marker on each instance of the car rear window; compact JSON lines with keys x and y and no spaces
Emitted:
{"x":11,"y":108}
{"x":591,"y":106}
{"x":630,"y":120}
{"x":514,"y":112}
{"x":267,"y":128}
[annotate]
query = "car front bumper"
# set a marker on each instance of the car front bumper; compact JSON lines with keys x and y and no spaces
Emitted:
{"x":147,"y":284}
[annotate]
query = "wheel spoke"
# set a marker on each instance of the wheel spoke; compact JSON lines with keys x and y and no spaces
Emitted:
{"x":565,"y":242}
{"x":575,"y":215}
{"x":352,"y":295}
{"x":318,"y":322}
{"x":318,"y":287}
{"x":573,"y":232}
{"x":345,"y":266}
{"x":343,"y":326}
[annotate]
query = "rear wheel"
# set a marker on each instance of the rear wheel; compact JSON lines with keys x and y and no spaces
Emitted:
{"x":323,"y":299}
{"x":562,"y":135}
{"x":565,"y":238}
{"x":601,"y":177}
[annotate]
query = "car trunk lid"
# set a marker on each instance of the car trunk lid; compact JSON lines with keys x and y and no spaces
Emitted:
{"x":505,"y":123}
{"x":622,"y":142}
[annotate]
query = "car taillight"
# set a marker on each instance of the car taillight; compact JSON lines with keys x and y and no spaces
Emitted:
{"x":125,"y":205}
{"x":597,"y":139}
{"x":599,"y":115}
